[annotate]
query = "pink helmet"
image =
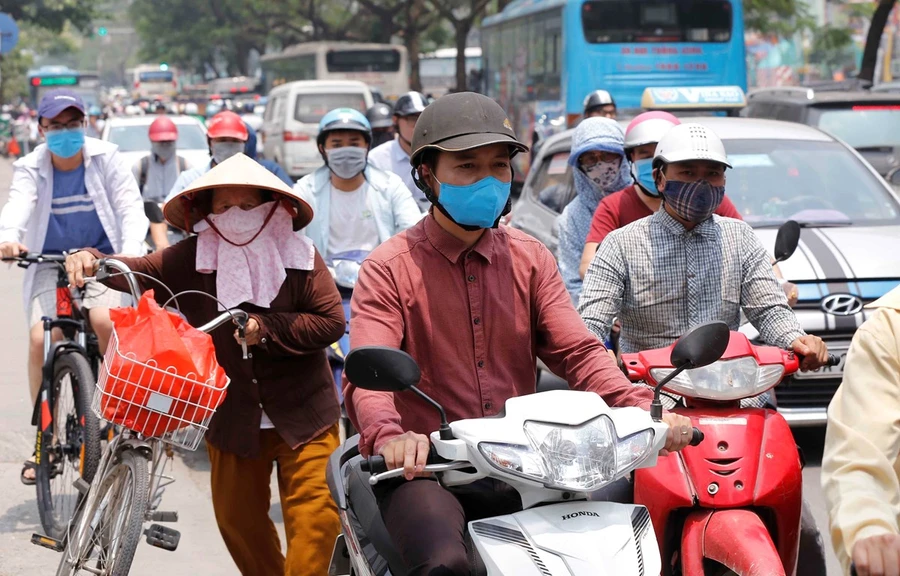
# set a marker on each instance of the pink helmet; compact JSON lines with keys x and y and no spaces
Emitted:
{"x":649,"y":128}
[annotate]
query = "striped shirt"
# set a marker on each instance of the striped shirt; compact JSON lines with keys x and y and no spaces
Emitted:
{"x":73,"y":222}
{"x":661,"y":280}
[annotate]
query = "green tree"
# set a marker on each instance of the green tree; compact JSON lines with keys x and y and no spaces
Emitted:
{"x":51,"y":14}
{"x":781,"y":17}
{"x":462,"y":15}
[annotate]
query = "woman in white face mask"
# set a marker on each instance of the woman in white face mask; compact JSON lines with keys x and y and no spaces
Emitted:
{"x":281,"y":407}
{"x":357,"y":206}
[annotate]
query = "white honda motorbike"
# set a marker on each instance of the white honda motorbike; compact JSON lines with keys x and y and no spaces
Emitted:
{"x":555,"y":448}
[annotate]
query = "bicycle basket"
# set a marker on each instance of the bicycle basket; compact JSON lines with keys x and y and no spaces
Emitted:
{"x":153,"y":401}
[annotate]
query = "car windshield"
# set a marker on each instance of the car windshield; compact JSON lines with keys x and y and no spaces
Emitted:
{"x":863,"y":126}
{"x":310,"y":108}
{"x":812,"y":182}
{"x":134,"y":138}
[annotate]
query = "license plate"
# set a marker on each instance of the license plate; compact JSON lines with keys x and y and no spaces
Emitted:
{"x":839,"y":350}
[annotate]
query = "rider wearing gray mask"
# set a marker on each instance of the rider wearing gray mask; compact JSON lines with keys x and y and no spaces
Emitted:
{"x":356,"y":205}
{"x":226,"y":135}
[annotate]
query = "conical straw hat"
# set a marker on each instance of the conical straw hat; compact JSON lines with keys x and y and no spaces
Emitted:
{"x":239,"y":171}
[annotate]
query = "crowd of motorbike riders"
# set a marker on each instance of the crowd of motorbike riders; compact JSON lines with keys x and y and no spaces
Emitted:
{"x":650,"y":247}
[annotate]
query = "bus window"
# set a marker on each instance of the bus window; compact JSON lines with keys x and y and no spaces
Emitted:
{"x":156,"y":76}
{"x":362,"y":61}
{"x":611,"y":21}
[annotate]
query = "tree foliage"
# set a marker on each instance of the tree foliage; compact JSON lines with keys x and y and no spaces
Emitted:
{"x":779,"y":17}
{"x":51,"y":14}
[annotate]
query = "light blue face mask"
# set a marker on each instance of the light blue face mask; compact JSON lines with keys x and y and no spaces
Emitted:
{"x":65,"y":143}
{"x":476,"y":205}
{"x":642,"y":171}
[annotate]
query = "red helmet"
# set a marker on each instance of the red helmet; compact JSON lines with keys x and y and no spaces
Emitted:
{"x":163,"y":130}
{"x":227,"y":124}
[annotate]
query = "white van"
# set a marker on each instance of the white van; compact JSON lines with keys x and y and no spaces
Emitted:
{"x":292,"y":117}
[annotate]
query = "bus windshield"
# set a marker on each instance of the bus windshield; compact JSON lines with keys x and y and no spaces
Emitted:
{"x":612,"y":21}
{"x":363,"y":61}
{"x":156,"y":76}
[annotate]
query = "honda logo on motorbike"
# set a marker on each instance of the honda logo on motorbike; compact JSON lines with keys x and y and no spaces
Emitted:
{"x":842,"y":304}
{"x":580,"y":513}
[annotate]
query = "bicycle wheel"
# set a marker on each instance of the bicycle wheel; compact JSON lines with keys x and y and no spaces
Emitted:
{"x":108,"y":527}
{"x":68,"y":443}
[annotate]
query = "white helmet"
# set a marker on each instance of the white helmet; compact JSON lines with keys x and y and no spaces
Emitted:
{"x":649,"y":128}
{"x":690,"y":142}
{"x":191,"y":108}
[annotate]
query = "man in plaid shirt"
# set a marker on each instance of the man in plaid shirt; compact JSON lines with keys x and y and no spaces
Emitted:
{"x":683,"y":265}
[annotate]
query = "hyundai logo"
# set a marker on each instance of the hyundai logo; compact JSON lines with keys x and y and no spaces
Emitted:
{"x":842,"y":304}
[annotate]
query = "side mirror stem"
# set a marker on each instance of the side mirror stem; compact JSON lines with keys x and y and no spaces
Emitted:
{"x":656,"y":406}
{"x":445,"y":432}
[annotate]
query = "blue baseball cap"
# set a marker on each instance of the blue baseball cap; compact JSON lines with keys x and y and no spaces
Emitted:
{"x":54,"y":102}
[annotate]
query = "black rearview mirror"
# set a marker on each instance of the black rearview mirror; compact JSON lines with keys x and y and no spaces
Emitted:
{"x":381,"y":369}
{"x":787,"y":240}
{"x":701,"y":346}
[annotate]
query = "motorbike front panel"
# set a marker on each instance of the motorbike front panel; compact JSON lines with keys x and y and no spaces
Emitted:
{"x":748,"y":459}
{"x":573,"y":539}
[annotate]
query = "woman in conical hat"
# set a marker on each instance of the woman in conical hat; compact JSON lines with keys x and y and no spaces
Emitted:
{"x":281,"y":406}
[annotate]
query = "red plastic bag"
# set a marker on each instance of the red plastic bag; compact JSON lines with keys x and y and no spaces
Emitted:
{"x":162,"y":373}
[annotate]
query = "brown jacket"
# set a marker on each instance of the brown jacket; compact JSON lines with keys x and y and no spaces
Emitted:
{"x":288,"y":373}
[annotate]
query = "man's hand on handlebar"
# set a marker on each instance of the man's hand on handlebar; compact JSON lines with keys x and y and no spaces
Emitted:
{"x":408,"y":451}
{"x":877,"y":555}
{"x":812,"y":350}
{"x":79,"y":266}
{"x":12,"y":249}
{"x":680,"y":432}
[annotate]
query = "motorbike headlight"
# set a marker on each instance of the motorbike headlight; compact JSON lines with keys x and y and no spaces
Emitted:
{"x":723,"y":380}
{"x":346,"y":273}
{"x":582,"y":458}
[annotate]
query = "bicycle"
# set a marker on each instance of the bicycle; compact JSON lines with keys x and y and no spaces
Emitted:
{"x":104,"y":532}
{"x":68,"y":434}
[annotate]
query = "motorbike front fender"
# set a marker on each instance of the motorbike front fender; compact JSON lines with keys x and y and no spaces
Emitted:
{"x":735,"y":538}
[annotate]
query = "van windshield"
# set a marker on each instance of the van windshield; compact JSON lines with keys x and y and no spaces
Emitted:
{"x":309,"y":108}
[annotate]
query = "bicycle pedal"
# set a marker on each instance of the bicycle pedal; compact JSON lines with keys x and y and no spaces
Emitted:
{"x":157,"y":516}
{"x":82,"y":486}
{"x":162,"y":537}
{"x":47,"y":542}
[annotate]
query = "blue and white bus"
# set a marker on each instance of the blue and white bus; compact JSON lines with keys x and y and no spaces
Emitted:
{"x":46,"y":78}
{"x":542,"y":57}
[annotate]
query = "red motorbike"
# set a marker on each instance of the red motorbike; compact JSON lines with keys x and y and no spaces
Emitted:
{"x":732,"y":504}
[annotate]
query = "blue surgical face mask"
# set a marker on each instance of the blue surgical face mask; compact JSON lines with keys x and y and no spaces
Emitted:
{"x":479,"y":204}
{"x":642,"y":171}
{"x":65,"y":143}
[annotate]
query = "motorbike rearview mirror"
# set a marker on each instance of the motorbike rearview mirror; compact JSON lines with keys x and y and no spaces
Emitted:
{"x":700,"y":346}
{"x":385,"y":369}
{"x":787,"y":240}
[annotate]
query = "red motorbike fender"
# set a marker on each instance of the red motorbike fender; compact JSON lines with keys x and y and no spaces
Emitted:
{"x":737,"y":539}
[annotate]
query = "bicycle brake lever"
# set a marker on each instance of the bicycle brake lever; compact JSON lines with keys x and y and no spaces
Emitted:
{"x":242,"y":336}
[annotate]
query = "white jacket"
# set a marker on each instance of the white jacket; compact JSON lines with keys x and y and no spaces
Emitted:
{"x":109,"y":183}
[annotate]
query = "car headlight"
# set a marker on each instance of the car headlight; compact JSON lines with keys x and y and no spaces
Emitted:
{"x":723,"y":380}
{"x":582,"y":458}
{"x":346,"y":272}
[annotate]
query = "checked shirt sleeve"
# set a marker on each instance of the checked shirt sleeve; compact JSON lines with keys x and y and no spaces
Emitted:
{"x":762,"y":297}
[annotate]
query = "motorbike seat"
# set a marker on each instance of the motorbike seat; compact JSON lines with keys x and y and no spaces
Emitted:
{"x":365,"y":509}
{"x":371,"y":528}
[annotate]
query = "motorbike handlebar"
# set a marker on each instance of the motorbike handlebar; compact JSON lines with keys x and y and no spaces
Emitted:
{"x":373,"y":465}
{"x":696,"y":437}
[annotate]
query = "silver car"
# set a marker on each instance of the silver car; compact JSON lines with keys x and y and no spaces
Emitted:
{"x":849,"y":253}
{"x":130,"y":133}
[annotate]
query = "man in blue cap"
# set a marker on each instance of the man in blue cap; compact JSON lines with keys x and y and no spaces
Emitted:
{"x":69,"y":193}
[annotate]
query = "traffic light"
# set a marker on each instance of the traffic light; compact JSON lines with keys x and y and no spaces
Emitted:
{"x":102,"y":31}
{"x":163,"y":66}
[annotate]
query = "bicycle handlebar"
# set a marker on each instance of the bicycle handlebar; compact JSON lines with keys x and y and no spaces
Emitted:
{"x":26,"y":259}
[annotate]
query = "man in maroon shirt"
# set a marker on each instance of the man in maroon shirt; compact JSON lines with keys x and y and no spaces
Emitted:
{"x":641,"y":199}
{"x":473,"y":304}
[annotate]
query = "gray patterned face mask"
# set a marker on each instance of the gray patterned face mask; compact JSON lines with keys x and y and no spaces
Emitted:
{"x":222,"y":151}
{"x":348,"y":161}
{"x":603,"y":174}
